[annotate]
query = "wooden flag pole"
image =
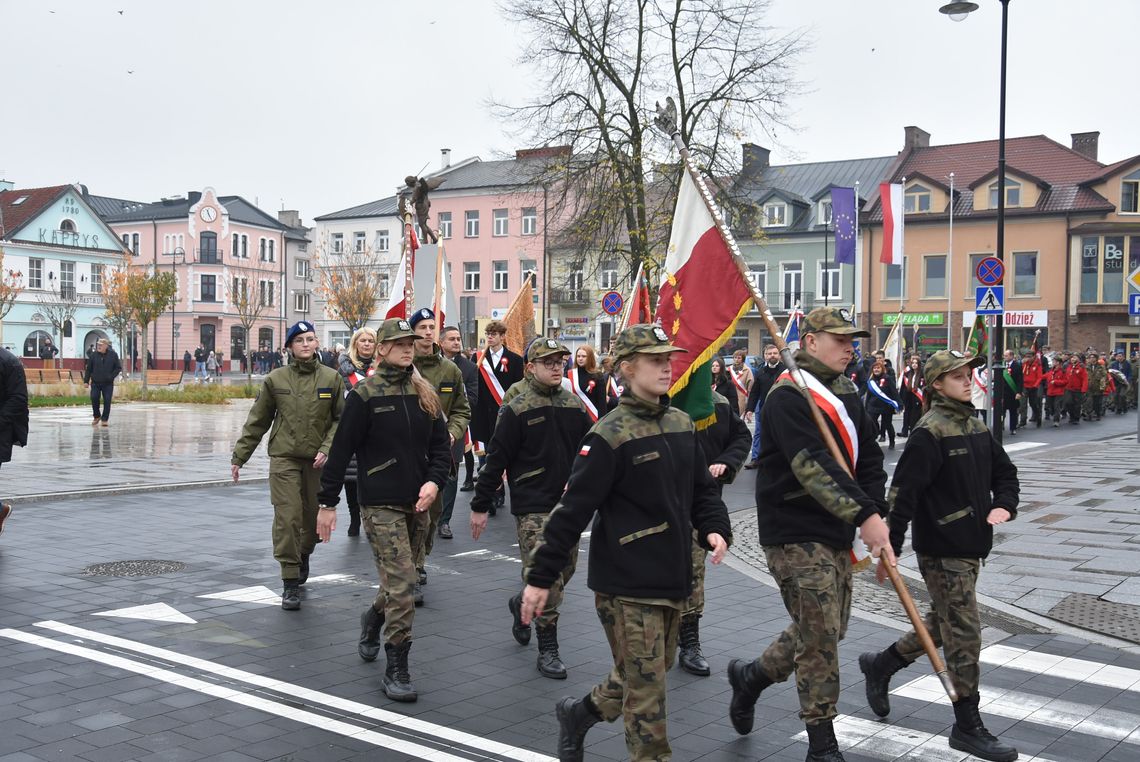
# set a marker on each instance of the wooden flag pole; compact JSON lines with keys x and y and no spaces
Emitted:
{"x":409,"y":262}
{"x":666,"y":121}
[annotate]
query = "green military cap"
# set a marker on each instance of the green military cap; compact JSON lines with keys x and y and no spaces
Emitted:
{"x":540,"y":348}
{"x":946,"y":360}
{"x":395,"y":328}
{"x":643,"y":338}
{"x":831,"y":320}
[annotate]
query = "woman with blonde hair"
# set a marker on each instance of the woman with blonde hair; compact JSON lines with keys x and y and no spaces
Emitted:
{"x":587,"y":383}
{"x":355,"y":365}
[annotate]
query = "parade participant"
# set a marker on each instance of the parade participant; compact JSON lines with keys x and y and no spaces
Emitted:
{"x":1077,"y":387}
{"x":587,"y":382}
{"x":725,"y":443}
{"x":808,"y":507}
{"x":913,"y":394}
{"x":1010,"y":389}
{"x":355,"y":366}
{"x":1098,"y":382}
{"x":882,"y":400}
{"x":614,"y":387}
{"x":956,"y":483}
{"x":1032,"y":372}
{"x":302,"y":402}
{"x":451,"y":343}
{"x":393,"y":424}
{"x":447,"y":379}
{"x":13,"y":414}
{"x":722,"y":382}
{"x":101,"y":371}
{"x":1057,"y":380}
{"x":742,"y":375}
{"x":642,"y":471}
{"x":499,"y":368}
{"x":538,"y":434}
{"x":762,"y":383}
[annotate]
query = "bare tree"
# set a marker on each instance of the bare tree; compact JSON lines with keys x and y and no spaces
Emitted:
{"x":249,"y":305}
{"x":59,"y":305}
{"x":352,"y":281}
{"x":601,"y":64}
{"x":11,"y":286}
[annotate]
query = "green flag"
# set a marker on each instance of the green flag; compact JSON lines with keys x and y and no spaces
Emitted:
{"x":695,"y":398}
{"x":979,"y":341}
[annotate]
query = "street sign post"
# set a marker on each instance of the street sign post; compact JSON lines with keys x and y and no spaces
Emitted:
{"x":990,"y":271}
{"x":1134,"y":304}
{"x":612,"y":302}
{"x":989,"y":300}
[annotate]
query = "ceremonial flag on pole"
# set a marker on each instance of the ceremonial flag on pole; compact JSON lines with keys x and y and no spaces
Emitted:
{"x":891,"y":198}
{"x":520,"y":319}
{"x":702,"y":296}
{"x":792,"y":330}
{"x":398,"y":291}
{"x":440,"y":304}
{"x":843,"y":218}
{"x":978,"y":342}
{"x":893,"y":346}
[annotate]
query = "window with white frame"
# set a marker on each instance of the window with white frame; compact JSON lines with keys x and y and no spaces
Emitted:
{"x":301,"y":268}
{"x":574,"y":285}
{"x":1012,"y":193}
{"x":934,"y":276}
{"x":528,"y":268}
{"x":471,"y":223}
{"x":301,"y":302}
{"x":208,"y":288}
{"x":244,"y":246}
{"x":828,"y":281}
{"x":265,"y":292}
{"x":975,"y":259}
{"x":916,"y":199}
{"x":500,"y":276}
{"x":96,"y":278}
{"x":272,"y":250}
{"x":235,"y":245}
{"x":1130,"y":193}
{"x":239,"y":291}
{"x":67,"y":279}
{"x":35,"y":273}
{"x":609,"y":274}
{"x":825,"y":212}
{"x":262,"y":250}
{"x":758,"y":276}
{"x":336,"y":243}
{"x":529,"y":220}
{"x":359,"y":241}
{"x":470,"y":276}
{"x":894,"y":281}
{"x":775,"y":214}
{"x":385,"y":285}
{"x":1025,"y":273}
{"x":383,"y":240}
{"x":501,"y":220}
{"x":135,"y":244}
{"x":444,"y":220}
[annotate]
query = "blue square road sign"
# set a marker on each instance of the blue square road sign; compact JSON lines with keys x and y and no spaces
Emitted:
{"x":989,"y":300}
{"x":1134,"y":304}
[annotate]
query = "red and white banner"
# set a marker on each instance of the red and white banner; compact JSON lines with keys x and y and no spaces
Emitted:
{"x":397,"y":292}
{"x":490,"y":379}
{"x":891,"y":199}
{"x":833,"y":409}
{"x":582,"y":394}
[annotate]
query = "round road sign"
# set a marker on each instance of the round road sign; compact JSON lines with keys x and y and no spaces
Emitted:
{"x":612,"y":302}
{"x":990,"y":271}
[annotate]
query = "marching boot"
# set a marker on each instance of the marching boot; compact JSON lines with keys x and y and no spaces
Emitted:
{"x":520,"y":631}
{"x":418,"y":594}
{"x":691,"y":658}
{"x":291,"y":595}
{"x":970,"y":735}
{"x":822,"y":746}
{"x":304,"y":577}
{"x":575,"y":717}
{"x":747,"y":681}
{"x":549,"y":662}
{"x":877,"y":669}
{"x":397,"y":681}
{"x":370,"y":623}
{"x":421,"y":576}
{"x":354,"y":521}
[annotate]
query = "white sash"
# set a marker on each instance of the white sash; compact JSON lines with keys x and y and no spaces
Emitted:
{"x":489,"y":377}
{"x":736,"y":380}
{"x":572,"y":377}
{"x":832,"y":407}
{"x":878,"y":392}
{"x":616,"y":390}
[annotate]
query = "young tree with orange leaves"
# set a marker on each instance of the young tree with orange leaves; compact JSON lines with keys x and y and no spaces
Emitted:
{"x":11,"y":285}
{"x":351,"y":282}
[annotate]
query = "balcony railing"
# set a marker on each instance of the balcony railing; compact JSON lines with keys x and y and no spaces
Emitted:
{"x":782,"y":302}
{"x":67,"y":293}
{"x":208,"y":256}
{"x":569,"y":295}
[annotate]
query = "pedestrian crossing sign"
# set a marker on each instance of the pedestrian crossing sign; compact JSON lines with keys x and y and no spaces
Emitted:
{"x":990,"y":300}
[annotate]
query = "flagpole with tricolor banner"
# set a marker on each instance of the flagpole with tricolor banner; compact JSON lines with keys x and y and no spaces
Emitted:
{"x":400,"y":301}
{"x":637,"y":308}
{"x":698,"y":224}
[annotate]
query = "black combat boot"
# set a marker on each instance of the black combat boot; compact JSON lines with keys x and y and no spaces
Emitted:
{"x":970,"y":735}
{"x":520,"y":631}
{"x":397,"y":682}
{"x":421,"y":576}
{"x":877,"y":669}
{"x":354,"y":521}
{"x":575,"y":717}
{"x":691,"y":658}
{"x":370,"y":623}
{"x":418,"y":594}
{"x":747,"y":681}
{"x":304,"y":577}
{"x":549,"y":662}
{"x":291,"y":596}
{"x":822,"y":746}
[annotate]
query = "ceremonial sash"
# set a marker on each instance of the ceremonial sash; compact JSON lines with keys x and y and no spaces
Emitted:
{"x":874,"y":388}
{"x":736,"y":380}
{"x":908,"y":382}
{"x":1009,"y":380}
{"x":832,"y":407}
{"x":615,"y":389}
{"x":356,"y":377}
{"x":490,"y":379}
{"x":576,"y":388}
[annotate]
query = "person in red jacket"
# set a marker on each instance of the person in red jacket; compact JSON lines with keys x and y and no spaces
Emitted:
{"x":1056,"y":382}
{"x":1077,"y":387}
{"x":1033,"y":373}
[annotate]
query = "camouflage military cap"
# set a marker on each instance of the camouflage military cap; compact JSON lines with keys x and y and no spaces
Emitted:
{"x":946,"y":360}
{"x":831,"y":320}
{"x":540,"y":348}
{"x":395,"y":328}
{"x":643,"y":338}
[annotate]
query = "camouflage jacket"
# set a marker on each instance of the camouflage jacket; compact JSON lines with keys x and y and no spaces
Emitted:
{"x":951,"y":474}
{"x":1098,"y":378}
{"x":447,"y":379}
{"x":641,"y":471}
{"x":802,"y":493}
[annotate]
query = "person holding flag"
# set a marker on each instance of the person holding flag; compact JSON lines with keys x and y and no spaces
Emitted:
{"x":808,"y":508}
{"x":499,"y":369}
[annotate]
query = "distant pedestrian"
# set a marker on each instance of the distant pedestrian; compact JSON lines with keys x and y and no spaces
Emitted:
{"x":13,"y":414}
{"x":722,"y":382}
{"x":100,"y":372}
{"x":48,"y":352}
{"x":1056,"y":381}
{"x":187,"y":358}
{"x":1010,"y":389}
{"x":1098,"y":383}
{"x":211,"y":365}
{"x":762,"y":381}
{"x":200,"y":363}
{"x":300,"y":406}
{"x":882,"y":401}
{"x":1033,"y":373}
{"x":913,"y":392}
{"x":1077,"y":388}
{"x":742,"y":376}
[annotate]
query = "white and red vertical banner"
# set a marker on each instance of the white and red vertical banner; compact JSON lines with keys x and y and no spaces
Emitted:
{"x":891,"y":198}
{"x":397,"y":306}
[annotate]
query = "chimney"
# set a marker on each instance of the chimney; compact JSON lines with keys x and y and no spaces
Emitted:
{"x":915,"y":137}
{"x":193,"y":197}
{"x":444,"y":158}
{"x":755,"y":158}
{"x":1085,"y":143}
{"x":6,"y":185}
{"x":289,"y":218}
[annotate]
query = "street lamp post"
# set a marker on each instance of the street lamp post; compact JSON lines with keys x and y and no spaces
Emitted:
{"x":958,"y":11}
{"x":177,"y":257}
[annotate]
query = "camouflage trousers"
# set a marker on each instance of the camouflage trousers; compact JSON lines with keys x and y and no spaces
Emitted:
{"x":392,"y":532}
{"x":953,"y":620}
{"x":643,"y":639}
{"x":815,"y":583}
{"x":426,"y":539}
{"x":696,"y":602}
{"x":529,"y":527}
{"x":293,"y":486}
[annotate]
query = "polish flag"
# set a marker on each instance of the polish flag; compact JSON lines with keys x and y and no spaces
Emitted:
{"x":397,"y":297}
{"x":891,"y":198}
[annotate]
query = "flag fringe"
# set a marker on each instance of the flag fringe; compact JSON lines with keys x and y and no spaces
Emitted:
{"x":709,"y":352}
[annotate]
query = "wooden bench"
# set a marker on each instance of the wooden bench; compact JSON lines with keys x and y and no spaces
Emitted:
{"x":164,"y":377}
{"x":49,"y":376}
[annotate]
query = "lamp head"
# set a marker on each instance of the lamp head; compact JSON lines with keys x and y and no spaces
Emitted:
{"x":958,"y":10}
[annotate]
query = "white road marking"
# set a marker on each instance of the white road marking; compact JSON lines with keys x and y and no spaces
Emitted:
{"x":1081,"y":670}
{"x":301,"y":693}
{"x":470,"y":553}
{"x":332,"y":578}
{"x":255,"y":594}
{"x":1019,"y":446}
{"x":152,"y":612}
{"x":490,"y":555}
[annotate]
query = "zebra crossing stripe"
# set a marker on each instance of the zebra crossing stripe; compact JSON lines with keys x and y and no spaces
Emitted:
{"x":1068,"y":667}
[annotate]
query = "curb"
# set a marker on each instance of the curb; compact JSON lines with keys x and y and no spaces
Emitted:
{"x":131,"y":490}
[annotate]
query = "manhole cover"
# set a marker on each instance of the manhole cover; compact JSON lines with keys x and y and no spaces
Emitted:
{"x":149,"y":568}
{"x":1091,"y":613}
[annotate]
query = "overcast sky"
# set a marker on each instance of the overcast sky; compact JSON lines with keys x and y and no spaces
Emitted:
{"x":318,"y":106}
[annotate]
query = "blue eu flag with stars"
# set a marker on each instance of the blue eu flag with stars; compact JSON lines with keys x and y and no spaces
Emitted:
{"x":843,"y":218}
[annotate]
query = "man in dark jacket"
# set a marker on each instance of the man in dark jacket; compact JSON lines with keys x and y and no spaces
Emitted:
{"x":1011,"y":386}
{"x":102,"y":368}
{"x":48,"y":352}
{"x":763,"y":379}
{"x":451,"y":343}
{"x":499,"y":369}
{"x":13,"y":413}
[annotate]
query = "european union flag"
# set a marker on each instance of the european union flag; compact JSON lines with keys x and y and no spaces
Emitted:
{"x":843,"y":218}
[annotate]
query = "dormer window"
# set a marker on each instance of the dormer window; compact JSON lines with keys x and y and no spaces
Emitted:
{"x":775,"y":215}
{"x":825,"y":212}
{"x":917,"y":199}
{"x":1012,"y":193}
{"x":1130,"y":193}
{"x":67,"y":226}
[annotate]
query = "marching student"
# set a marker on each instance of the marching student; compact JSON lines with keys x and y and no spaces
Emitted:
{"x":587,"y":382}
{"x":742,"y":377}
{"x":882,"y":400}
{"x":499,"y":369}
{"x":955,"y":483}
{"x":1056,"y":382}
{"x":354,"y":366}
{"x":641,"y":470}
{"x":535,"y":441}
{"x":913,"y":384}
